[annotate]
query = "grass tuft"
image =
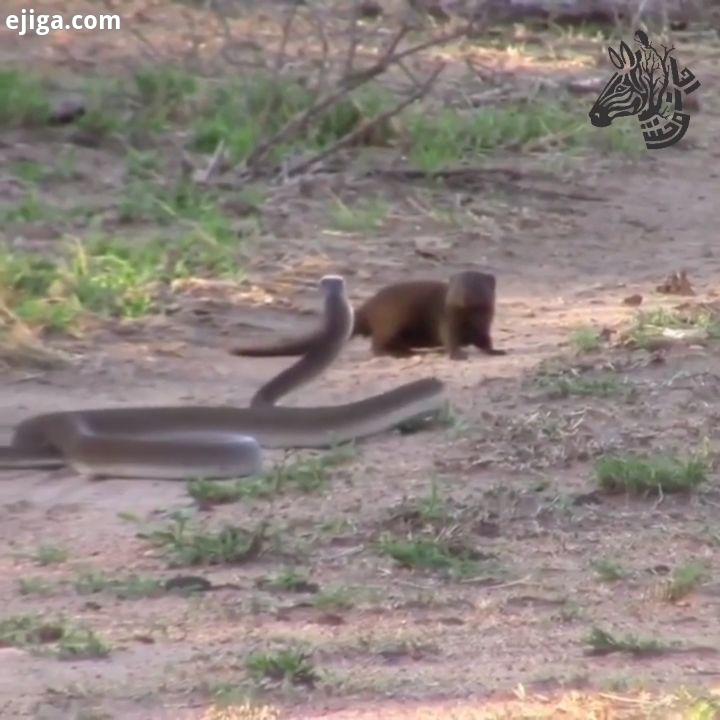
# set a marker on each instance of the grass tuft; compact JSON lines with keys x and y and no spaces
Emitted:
{"x":23,"y":99}
{"x":188,"y":546}
{"x":639,"y":475}
{"x":602,"y":642}
{"x":283,"y":666}
{"x":684,"y":580}
{"x":72,"y":641}
{"x":585,"y":340}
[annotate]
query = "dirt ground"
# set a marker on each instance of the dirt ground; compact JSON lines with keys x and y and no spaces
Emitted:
{"x":411,"y":644}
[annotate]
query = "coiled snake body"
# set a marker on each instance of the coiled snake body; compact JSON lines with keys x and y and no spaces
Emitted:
{"x":216,"y":442}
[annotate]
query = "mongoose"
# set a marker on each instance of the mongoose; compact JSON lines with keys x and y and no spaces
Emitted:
{"x":415,"y":314}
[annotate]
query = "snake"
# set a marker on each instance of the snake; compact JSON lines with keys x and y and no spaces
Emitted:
{"x":217,"y":442}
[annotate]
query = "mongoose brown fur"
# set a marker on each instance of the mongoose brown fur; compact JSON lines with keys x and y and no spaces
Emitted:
{"x":415,"y":314}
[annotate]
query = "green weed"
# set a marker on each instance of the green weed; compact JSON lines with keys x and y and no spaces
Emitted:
{"x":188,"y":546}
{"x":585,"y":340}
{"x":563,"y":386}
{"x":35,"y":586}
{"x":72,"y":641}
{"x":638,"y":475}
{"x":602,"y":642}
{"x":650,"y":325}
{"x":290,"y":665}
{"x":23,"y":99}
{"x":364,"y":217}
{"x":684,"y":580}
{"x":608,"y":571}
{"x":50,"y":555}
{"x":429,"y":554}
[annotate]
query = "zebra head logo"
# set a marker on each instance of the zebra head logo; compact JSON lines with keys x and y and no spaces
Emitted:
{"x":648,"y":84}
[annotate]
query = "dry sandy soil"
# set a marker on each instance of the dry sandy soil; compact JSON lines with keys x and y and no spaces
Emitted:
{"x":516,"y":474}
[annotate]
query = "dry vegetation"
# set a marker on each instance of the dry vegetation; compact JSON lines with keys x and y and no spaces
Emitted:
{"x":550,"y":551}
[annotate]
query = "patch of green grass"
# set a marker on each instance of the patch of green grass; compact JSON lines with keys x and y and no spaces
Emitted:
{"x":31,"y":631}
{"x":602,"y":642}
{"x":563,"y":386}
{"x":35,"y":586}
{"x":23,"y":99}
{"x":29,"y":171}
{"x":164,"y":95}
{"x":213,"y":492}
{"x":244,"y":113}
{"x":105,"y":109}
{"x":115,"y":278}
{"x":29,"y":210}
{"x":640,"y":475}
{"x":25,"y":630}
{"x":241,"y":114}
{"x":608,"y":570}
{"x":364,"y":217}
{"x":337,"y":598}
{"x":684,"y":580}
{"x":78,"y":643}
{"x":50,"y":555}
{"x":443,"y":139}
{"x":283,"y":666}
{"x":129,"y":588}
{"x":189,"y":546}
{"x":585,"y":340}
{"x":305,"y":475}
{"x":649,"y":325}
{"x":429,"y":554}
{"x":290,"y":580}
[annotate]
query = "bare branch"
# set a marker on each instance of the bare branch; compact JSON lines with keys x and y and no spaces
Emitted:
{"x":287,"y":26}
{"x":349,"y":83}
{"x":365,"y":125}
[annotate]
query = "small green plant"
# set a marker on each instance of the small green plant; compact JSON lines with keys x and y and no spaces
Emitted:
{"x":29,"y":210}
{"x":650,"y":324}
{"x":30,"y":172}
{"x":130,"y":588}
{"x":312,"y":473}
{"x":164,"y":95}
{"x":364,"y":217}
{"x":602,"y":642}
{"x":337,"y":598}
{"x":608,"y":570}
{"x":639,"y":475}
{"x":213,"y":492}
{"x":684,"y":580}
{"x":585,"y":340}
{"x":289,"y":580}
{"x":434,"y":508}
{"x":565,"y":386}
{"x":79,"y":643}
{"x":188,"y":546}
{"x":306,"y":475}
{"x":50,"y":555}
{"x":429,"y":554}
{"x":286,"y":666}
{"x":35,"y":586}
{"x":23,"y":99}
{"x":33,"y":630}
{"x":91,"y":582}
{"x":24,"y":630}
